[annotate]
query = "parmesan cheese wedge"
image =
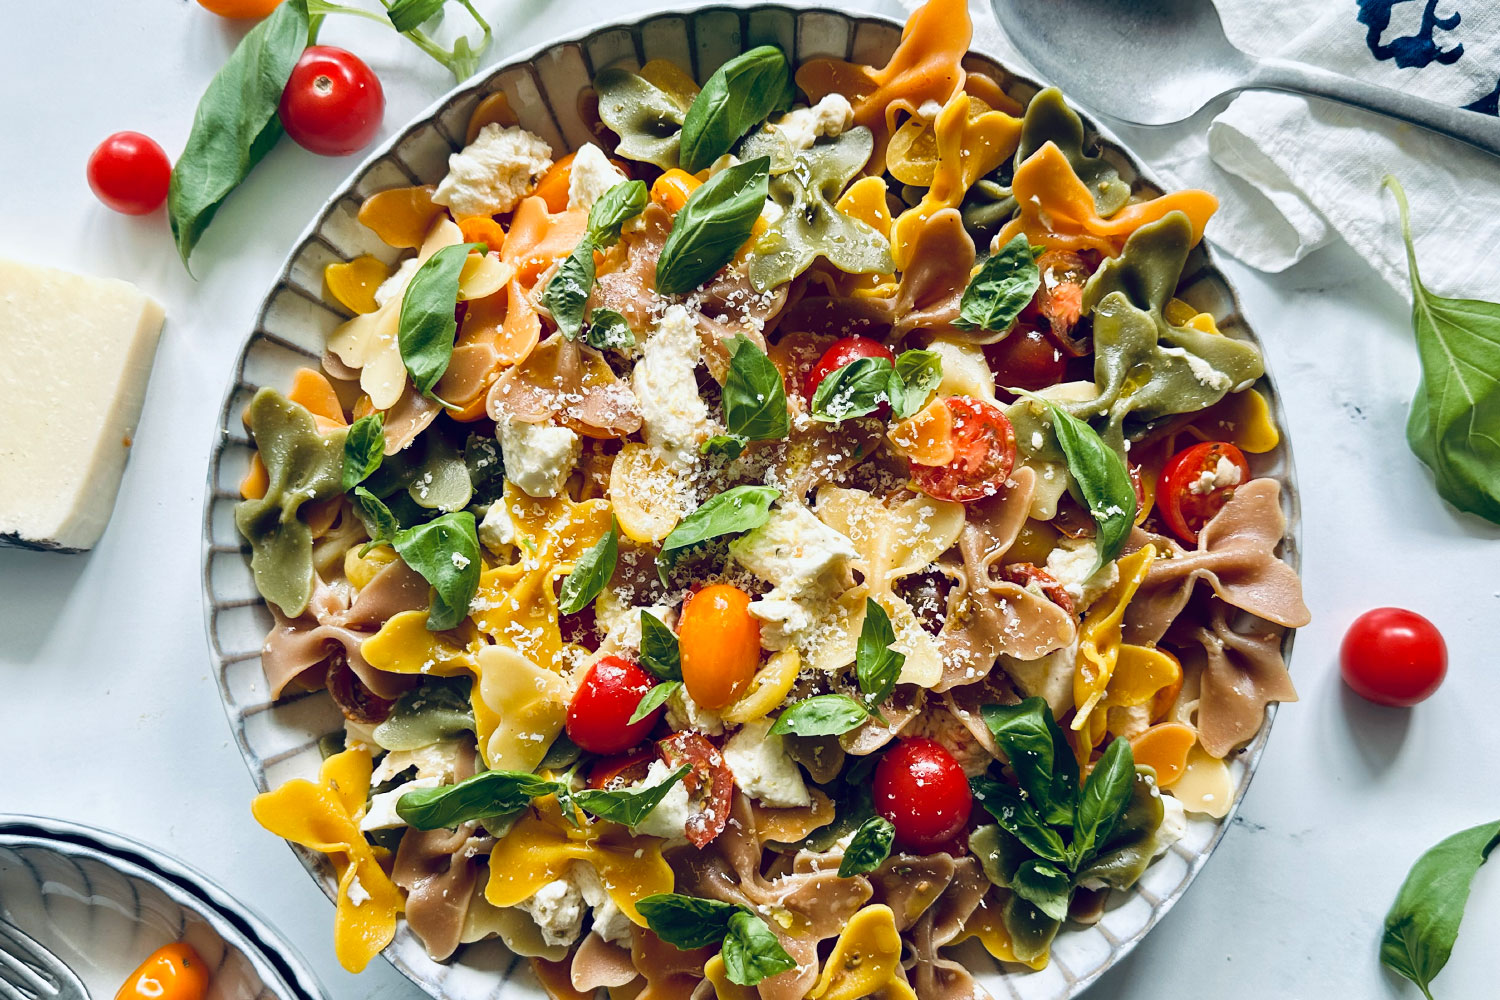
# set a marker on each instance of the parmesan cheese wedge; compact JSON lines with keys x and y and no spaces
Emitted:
{"x":75,"y":356}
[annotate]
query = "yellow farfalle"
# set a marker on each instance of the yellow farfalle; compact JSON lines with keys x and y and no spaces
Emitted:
{"x":324,"y":817}
{"x":724,"y":989}
{"x":1057,"y":210}
{"x":1141,"y":673}
{"x":1099,"y":637}
{"x":986,"y":924}
{"x":353,"y":283}
{"x":968,"y":147}
{"x":768,"y":688}
{"x":541,"y":846}
{"x":865,"y":961}
{"x":865,"y":200}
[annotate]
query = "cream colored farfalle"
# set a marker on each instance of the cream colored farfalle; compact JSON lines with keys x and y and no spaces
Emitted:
{"x":531,"y":703}
{"x":893,"y":540}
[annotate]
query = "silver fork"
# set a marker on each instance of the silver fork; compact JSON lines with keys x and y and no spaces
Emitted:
{"x":29,"y":971}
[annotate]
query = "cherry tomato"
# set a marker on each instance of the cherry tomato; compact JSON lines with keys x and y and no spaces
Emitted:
{"x":710,"y":781}
{"x":172,"y":972}
{"x":923,"y":791}
{"x":719,"y":640}
{"x":1190,"y":491}
{"x":130,"y":173}
{"x":1026,"y":359}
{"x":240,"y":8}
{"x":332,"y":103}
{"x":1393,"y":657}
{"x":1023,"y":574}
{"x":984,"y":450}
{"x":599,"y":716}
{"x":615,"y":772}
{"x":840,"y":353}
{"x":1058,"y":303}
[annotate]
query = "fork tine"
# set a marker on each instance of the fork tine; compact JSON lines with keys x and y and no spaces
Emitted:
{"x":15,"y":970}
{"x":31,"y":964}
{"x":9,"y":990}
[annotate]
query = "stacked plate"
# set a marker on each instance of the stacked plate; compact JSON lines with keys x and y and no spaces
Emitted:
{"x":103,"y":903}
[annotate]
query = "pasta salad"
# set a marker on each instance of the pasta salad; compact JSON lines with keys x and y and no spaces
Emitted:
{"x":754,"y":553}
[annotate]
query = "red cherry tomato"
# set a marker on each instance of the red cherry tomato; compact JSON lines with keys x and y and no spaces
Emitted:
{"x":1026,"y":359}
{"x":1188,"y":495}
{"x":615,"y":772}
{"x":840,"y":353}
{"x":130,"y":173}
{"x":710,"y":781}
{"x":332,"y":102}
{"x":1058,"y":303}
{"x":1024,"y":574}
{"x":1393,"y":657}
{"x":984,"y":451}
{"x":599,"y":716}
{"x":921,"y":789}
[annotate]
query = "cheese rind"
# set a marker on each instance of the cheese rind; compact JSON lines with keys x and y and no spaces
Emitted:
{"x":75,"y":357}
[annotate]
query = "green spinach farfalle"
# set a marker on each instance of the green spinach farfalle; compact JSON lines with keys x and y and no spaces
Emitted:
{"x":810,"y":226}
{"x":1049,"y":119}
{"x":302,"y":466}
{"x":1144,"y":366}
{"x":647,"y":119}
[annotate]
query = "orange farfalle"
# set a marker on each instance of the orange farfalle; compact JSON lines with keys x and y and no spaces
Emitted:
{"x":493,"y":110}
{"x":401,"y":217}
{"x":1057,"y":210}
{"x":312,"y":391}
{"x":1164,"y":748}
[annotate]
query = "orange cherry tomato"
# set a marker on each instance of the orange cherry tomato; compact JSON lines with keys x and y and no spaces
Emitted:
{"x":240,"y":8}
{"x":720,"y":644}
{"x":173,"y":972}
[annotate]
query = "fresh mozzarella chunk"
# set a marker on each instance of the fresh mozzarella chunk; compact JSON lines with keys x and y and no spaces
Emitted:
{"x":1074,"y":569}
{"x":494,"y":172}
{"x":762,"y":768}
{"x":590,"y":175}
{"x":558,"y":909}
{"x":623,"y":630}
{"x":393,"y":286}
{"x":497,"y":529}
{"x":665,"y":381}
{"x":610,"y":922}
{"x":796,"y":552}
{"x":685,"y":713}
{"x":830,"y":116}
{"x":538,"y":457}
{"x":669,"y":819}
{"x":437,"y":760}
{"x":381,"y":814}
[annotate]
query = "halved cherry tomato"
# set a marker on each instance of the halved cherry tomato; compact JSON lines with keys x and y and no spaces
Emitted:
{"x":240,"y":8}
{"x":1196,"y":483}
{"x":172,"y":972}
{"x":923,"y":791}
{"x":1393,"y":657}
{"x":332,"y":103}
{"x":840,"y":353}
{"x":1058,"y":302}
{"x":1023,"y":574}
{"x":599,"y":715}
{"x":130,"y":173}
{"x":1026,"y":359}
{"x":719,"y":641}
{"x":709,"y":781}
{"x":984,"y":451}
{"x":616,"y":772}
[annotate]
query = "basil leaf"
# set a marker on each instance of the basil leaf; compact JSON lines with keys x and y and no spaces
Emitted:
{"x":1102,"y":802}
{"x":918,"y":373}
{"x":488,"y":793}
{"x":710,"y":229}
{"x":486,"y":470}
{"x":613,"y":209}
{"x":870,"y":846}
{"x":235,"y":125}
{"x":854,"y":390}
{"x":609,"y":331}
{"x":821,"y":715}
{"x":427,"y":326}
{"x":627,"y":806}
{"x":876,"y":665}
{"x":1102,"y":478}
{"x":1039,"y":753}
{"x":653,"y":699}
{"x":364,"y":448}
{"x":732,"y":512}
{"x":736,"y":98}
{"x":379,"y":521}
{"x":1016,"y":817}
{"x":686,"y":922}
{"x":754,"y":395}
{"x":437,"y":709}
{"x":567,"y":292}
{"x":751,"y":951}
{"x":660,"y":653}
{"x":408,"y":15}
{"x":591,"y":572}
{"x":731,"y":446}
{"x":445,"y":551}
{"x":1044,"y":886}
{"x":1423,"y":921}
{"x":1003,"y":287}
{"x":1454,"y":426}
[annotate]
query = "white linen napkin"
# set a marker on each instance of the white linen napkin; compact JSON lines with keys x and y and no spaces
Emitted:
{"x":1293,"y":173}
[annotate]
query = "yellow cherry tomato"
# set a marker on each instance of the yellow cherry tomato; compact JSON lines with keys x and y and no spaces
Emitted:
{"x":720,"y":644}
{"x":240,"y":8}
{"x":173,"y":972}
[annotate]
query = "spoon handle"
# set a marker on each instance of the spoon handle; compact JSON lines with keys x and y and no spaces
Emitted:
{"x":1478,"y":130}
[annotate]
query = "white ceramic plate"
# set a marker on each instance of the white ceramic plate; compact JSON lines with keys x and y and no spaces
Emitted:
{"x":279,"y":741}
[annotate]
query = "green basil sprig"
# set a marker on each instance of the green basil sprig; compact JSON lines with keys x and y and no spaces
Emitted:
{"x":660,"y":652}
{"x":918,"y":373}
{"x":751,"y":951}
{"x":486,"y":794}
{"x":379,"y":521}
{"x":608,"y":330}
{"x":733,"y":512}
{"x":655,"y":697}
{"x":445,"y":551}
{"x":877,"y":667}
{"x":1423,"y":921}
{"x":710,"y":229}
{"x":364,"y":449}
{"x":1004,"y":285}
{"x":1101,"y":475}
{"x":567,"y":293}
{"x":627,"y":806}
{"x":426,"y":329}
{"x":821,"y":715}
{"x":235,"y":125}
{"x":591,"y":572}
{"x":407,"y":16}
{"x":1454,"y":425}
{"x":615,"y":207}
{"x":754,"y":400}
{"x":738,"y":96}
{"x":864,"y":385}
{"x":869,"y":848}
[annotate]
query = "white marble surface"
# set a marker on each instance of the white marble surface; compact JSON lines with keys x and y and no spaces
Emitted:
{"x":108,"y":713}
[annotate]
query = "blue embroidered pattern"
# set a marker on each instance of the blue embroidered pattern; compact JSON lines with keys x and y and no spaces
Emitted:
{"x":1420,"y":49}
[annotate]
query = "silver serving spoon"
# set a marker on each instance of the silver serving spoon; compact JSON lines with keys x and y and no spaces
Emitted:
{"x":1107,"y":53}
